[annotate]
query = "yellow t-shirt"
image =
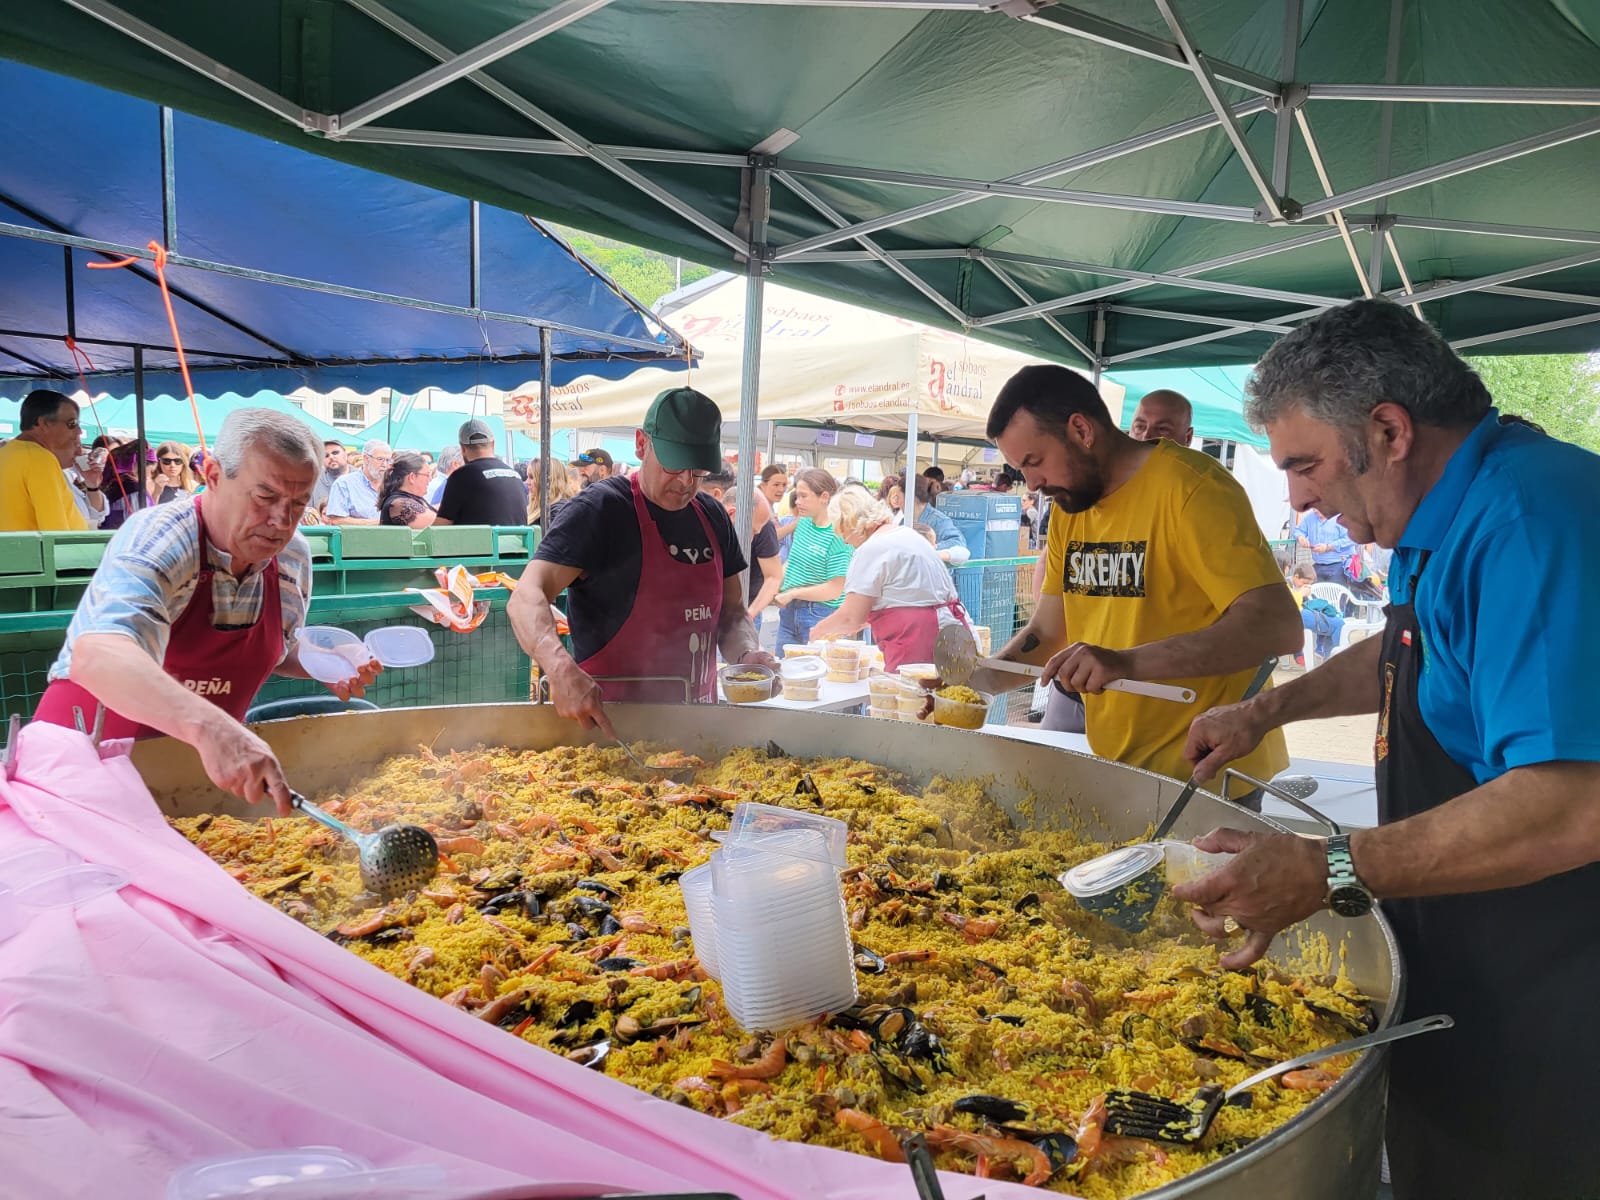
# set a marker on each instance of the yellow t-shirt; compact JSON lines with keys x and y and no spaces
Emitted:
{"x":34,"y":494}
{"x":1165,"y":554}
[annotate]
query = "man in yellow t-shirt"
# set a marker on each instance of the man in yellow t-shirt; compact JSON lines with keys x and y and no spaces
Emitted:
{"x":34,"y":493}
{"x":1159,"y":567}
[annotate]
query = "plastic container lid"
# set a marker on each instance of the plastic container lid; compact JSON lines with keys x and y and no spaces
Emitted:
{"x":1110,"y":871}
{"x":306,"y":1173}
{"x":330,"y":654}
{"x":400,"y":646}
{"x":22,"y":868}
{"x":802,"y":669}
{"x":72,"y":885}
{"x":752,"y":820}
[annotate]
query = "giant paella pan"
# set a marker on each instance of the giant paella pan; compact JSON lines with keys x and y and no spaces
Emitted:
{"x":557,"y":923}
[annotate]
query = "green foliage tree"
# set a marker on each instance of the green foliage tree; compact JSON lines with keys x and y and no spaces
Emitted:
{"x":643,"y":274}
{"x":1561,"y":392}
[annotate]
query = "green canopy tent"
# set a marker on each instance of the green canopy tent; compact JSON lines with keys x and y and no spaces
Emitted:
{"x":430,"y":430}
{"x":1105,"y":183}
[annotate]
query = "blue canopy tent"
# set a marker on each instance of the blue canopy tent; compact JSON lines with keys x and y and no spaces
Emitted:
{"x":287,"y":269}
{"x":1216,"y":394}
{"x":168,"y":419}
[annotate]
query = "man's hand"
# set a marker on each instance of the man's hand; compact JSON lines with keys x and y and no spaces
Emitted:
{"x":1275,"y":880}
{"x":781,"y":599}
{"x":238,"y":761}
{"x":1223,"y":735}
{"x":577,"y":697}
{"x":759,"y":658}
{"x":1321,"y":548}
{"x":369,"y":671}
{"x":1085,"y":668}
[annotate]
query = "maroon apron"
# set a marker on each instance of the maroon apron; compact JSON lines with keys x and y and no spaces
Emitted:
{"x":906,"y":635}
{"x":672,"y":629}
{"x":226,"y":666}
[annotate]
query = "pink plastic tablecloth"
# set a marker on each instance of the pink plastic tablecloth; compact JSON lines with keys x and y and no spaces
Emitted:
{"x":182,"y":1019}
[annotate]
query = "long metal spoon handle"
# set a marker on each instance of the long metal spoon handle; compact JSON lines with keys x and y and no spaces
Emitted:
{"x":1393,"y":1034}
{"x":328,"y":819}
{"x":1161,"y":691}
{"x":1257,"y":682}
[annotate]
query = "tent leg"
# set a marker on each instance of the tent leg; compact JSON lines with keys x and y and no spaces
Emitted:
{"x":1099,"y":345}
{"x":546,"y":365}
{"x":757,"y":205}
{"x":138,"y":416}
{"x":911,"y":451}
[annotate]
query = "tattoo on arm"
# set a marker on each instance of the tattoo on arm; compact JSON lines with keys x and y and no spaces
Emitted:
{"x":1030,"y":643}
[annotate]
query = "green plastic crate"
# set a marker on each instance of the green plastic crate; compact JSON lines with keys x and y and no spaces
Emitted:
{"x":324,"y":542}
{"x":75,"y":555}
{"x":21,"y":554}
{"x":455,"y":541}
{"x":374,"y":541}
{"x":516,"y":543}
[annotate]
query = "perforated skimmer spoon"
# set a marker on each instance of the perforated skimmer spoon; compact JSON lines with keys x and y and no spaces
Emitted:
{"x":395,"y":860}
{"x":955,"y":657}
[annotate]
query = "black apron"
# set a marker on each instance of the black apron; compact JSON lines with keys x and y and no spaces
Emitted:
{"x":1504,"y":1106}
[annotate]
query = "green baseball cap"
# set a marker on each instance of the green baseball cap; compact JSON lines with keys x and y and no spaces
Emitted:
{"x":685,"y":430}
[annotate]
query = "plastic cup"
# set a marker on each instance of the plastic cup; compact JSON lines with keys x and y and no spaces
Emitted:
{"x":752,"y":819}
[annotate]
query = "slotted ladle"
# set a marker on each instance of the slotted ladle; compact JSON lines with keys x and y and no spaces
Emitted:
{"x":395,"y":860}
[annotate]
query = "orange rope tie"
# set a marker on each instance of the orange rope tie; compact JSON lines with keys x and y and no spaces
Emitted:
{"x":80,"y":358}
{"x":160,"y":254}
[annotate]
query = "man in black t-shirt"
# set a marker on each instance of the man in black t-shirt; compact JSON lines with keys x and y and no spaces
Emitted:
{"x":765,"y":564}
{"x":482,"y":490}
{"x":651,"y":569}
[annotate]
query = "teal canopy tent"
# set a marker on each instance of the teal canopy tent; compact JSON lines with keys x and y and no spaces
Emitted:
{"x":1215,"y":393}
{"x":171,"y":420}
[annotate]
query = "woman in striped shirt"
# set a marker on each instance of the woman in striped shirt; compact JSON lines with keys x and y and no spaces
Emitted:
{"x":813,"y":580}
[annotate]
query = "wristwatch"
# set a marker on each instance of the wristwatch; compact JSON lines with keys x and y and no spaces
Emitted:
{"x":1347,"y":895}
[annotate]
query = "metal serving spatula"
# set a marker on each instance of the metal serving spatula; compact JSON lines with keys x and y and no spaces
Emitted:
{"x":955,"y":657}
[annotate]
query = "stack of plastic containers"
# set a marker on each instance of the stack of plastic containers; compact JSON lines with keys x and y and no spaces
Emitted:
{"x":779,"y":936}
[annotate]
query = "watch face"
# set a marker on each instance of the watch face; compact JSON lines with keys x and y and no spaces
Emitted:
{"x":1350,"y":901}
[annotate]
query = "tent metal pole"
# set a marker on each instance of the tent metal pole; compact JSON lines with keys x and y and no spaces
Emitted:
{"x":757,"y":208}
{"x":1490,"y":228}
{"x":1455,"y":166}
{"x":1283,"y":128}
{"x":1441,"y":291}
{"x":1538,"y":294}
{"x":1391,"y":75}
{"x":312,"y":285}
{"x":138,"y":418}
{"x":1505,"y":334}
{"x":1099,"y":359}
{"x":213,"y":69}
{"x":1161,"y":314}
{"x":1336,"y":217}
{"x":1134,"y":41}
{"x":71,"y":287}
{"x":540,"y":117}
{"x":387,"y":135}
{"x":546,"y":391}
{"x":1144,"y":278}
{"x":1076,"y":162}
{"x":1021,"y":293}
{"x":475,"y":262}
{"x":1213,"y":264}
{"x":983,"y":187}
{"x":872,"y":248}
{"x":1433,"y":94}
{"x":1206,"y":78}
{"x":192,"y":351}
{"x":480,"y":56}
{"x":908,"y":490}
{"x":169,"y":183}
{"x":1400,"y":266}
{"x":42,"y":367}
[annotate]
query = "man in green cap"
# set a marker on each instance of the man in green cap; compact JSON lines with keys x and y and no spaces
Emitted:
{"x":651,"y":569}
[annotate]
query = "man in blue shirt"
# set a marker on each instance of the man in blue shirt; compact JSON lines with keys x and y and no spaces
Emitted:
{"x":1329,"y":543}
{"x":1487,"y":854}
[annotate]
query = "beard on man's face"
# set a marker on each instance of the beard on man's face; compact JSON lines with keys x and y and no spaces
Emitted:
{"x":1090,"y":486}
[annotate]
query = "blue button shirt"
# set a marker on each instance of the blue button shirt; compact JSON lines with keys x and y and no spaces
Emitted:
{"x":1326,"y":531}
{"x":946,"y":534}
{"x":1508,"y":601}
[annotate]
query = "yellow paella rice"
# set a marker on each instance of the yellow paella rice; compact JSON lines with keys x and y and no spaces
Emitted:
{"x":994,"y":1014}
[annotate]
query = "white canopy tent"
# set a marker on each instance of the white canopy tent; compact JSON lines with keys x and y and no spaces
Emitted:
{"x":822,"y":361}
